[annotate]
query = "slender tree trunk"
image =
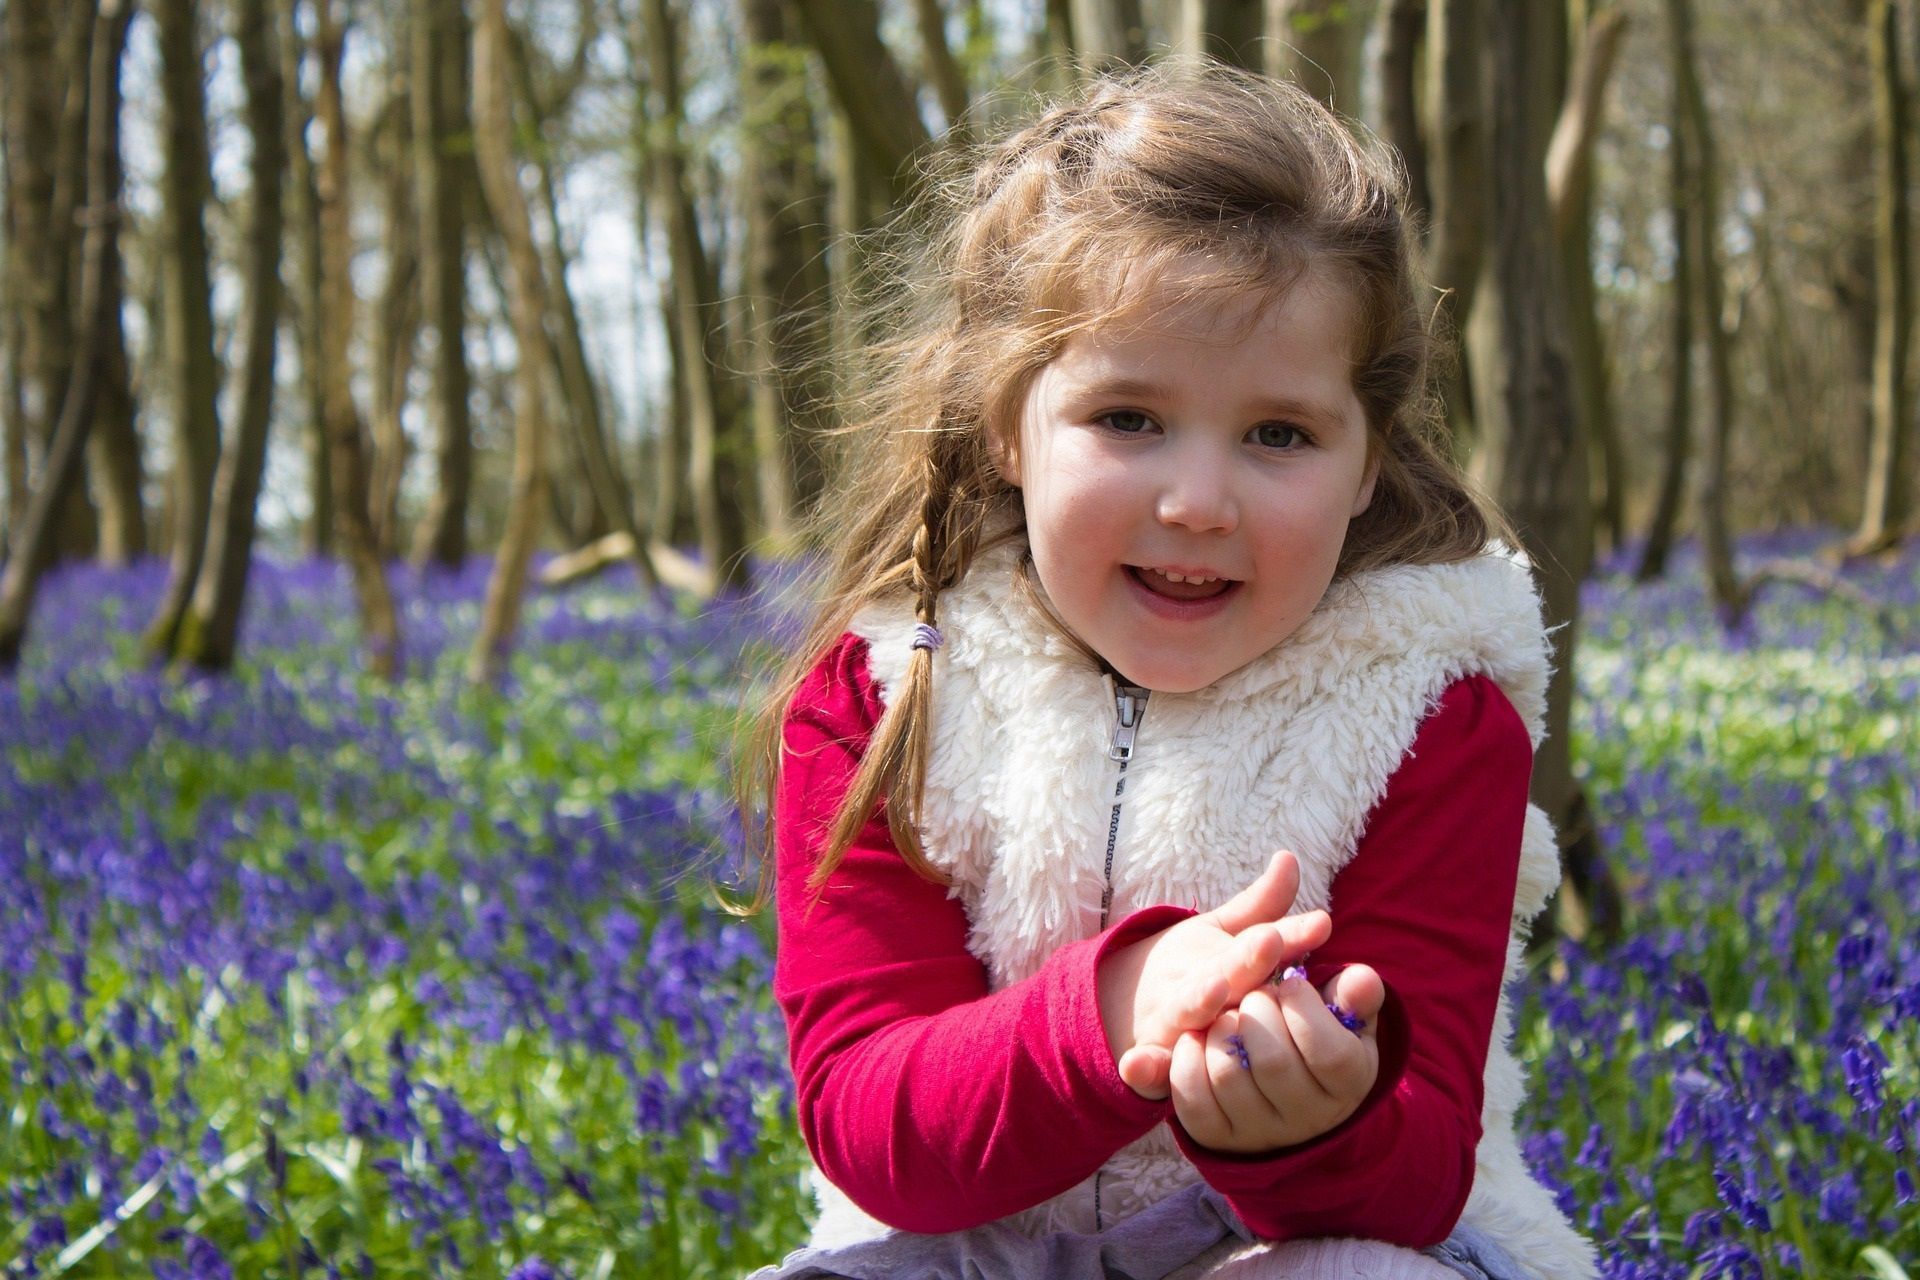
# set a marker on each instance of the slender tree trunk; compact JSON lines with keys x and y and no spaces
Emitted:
{"x":1316,"y":44}
{"x":396,"y":319}
{"x":1889,"y":503}
{"x":1402,"y":32}
{"x":1227,"y":30}
{"x":786,"y":269}
{"x":715,"y":400}
{"x":46,"y":95}
{"x":870,"y":86}
{"x":1853,"y":272}
{"x":61,"y":472}
{"x":1108,"y":34}
{"x":113,"y":450}
{"x":1683,"y":193}
{"x":194,"y":369}
{"x":1570,"y":194}
{"x":13,"y":426}
{"x":493,"y":140}
{"x":1704,"y":227}
{"x":1541,"y":476}
{"x":79,"y":520}
{"x":210,"y":636}
{"x":949,"y":80}
{"x":307,"y":294}
{"x":439,"y":121}
{"x":611,"y":498}
{"x":346,"y":454}
{"x":1458,"y":109}
{"x":673,"y":442}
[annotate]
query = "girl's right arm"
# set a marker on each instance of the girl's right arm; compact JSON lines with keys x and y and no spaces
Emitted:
{"x":933,"y":1103}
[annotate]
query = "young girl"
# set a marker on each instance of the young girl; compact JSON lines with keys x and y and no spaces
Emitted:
{"x":1159,"y":628}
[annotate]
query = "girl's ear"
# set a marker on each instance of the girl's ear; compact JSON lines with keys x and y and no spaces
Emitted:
{"x":1363,"y":498}
{"x":1003,"y":449}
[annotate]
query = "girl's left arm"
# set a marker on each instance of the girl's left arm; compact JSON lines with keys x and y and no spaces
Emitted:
{"x":1427,"y":901}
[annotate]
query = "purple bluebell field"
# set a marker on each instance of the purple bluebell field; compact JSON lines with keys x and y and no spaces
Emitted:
{"x":305,"y":975}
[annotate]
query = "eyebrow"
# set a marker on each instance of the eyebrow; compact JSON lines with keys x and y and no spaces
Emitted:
{"x":1126,"y":387}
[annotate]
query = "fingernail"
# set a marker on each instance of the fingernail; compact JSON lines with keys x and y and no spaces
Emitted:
{"x":1285,"y":972}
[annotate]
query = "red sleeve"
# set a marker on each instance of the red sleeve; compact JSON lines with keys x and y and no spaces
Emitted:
{"x":933,"y":1104}
{"x":1427,"y":901}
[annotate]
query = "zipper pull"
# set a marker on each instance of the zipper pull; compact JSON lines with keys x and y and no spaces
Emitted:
{"x":1130,"y":704}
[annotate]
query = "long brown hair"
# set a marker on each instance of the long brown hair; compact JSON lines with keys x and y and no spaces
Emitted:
{"x":1061,"y":226}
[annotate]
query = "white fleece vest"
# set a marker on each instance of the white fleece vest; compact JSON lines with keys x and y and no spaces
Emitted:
{"x":1291,"y":751}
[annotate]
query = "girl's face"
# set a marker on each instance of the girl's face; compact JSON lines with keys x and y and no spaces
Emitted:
{"x":1188,"y":479}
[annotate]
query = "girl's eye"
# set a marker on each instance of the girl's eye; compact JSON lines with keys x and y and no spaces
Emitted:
{"x":1126,"y":421}
{"x":1277,"y":435}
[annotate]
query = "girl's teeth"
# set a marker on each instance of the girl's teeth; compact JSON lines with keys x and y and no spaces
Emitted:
{"x":1175,"y":577}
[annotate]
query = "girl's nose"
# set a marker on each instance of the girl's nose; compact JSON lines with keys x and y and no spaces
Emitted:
{"x":1199,"y":497}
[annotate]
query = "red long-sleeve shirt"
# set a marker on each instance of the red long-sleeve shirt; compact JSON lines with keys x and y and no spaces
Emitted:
{"x":937,"y":1105}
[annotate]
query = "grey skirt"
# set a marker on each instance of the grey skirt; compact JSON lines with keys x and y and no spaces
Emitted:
{"x":1184,"y":1228}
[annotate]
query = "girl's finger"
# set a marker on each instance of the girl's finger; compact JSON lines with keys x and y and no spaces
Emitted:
{"x":1269,"y":897}
{"x":1278,"y":1071}
{"x":1256,"y":953}
{"x":1145,"y":1069}
{"x":1193,"y":1099}
{"x":1341,"y":1063}
{"x":1231,"y":1068}
{"x":1359,"y":990}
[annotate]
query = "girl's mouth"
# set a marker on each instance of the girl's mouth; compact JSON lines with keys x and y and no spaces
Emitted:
{"x":1179,"y":586}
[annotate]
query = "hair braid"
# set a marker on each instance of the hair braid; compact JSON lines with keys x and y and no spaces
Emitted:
{"x":896,"y":760}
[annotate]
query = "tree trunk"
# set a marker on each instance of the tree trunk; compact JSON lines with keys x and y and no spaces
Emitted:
{"x":673,"y":442}
{"x":611,"y":498}
{"x":193,"y":367}
{"x":1405,"y":25}
{"x":396,"y":317}
{"x":713,"y":395}
{"x":346,"y":455}
{"x":868,"y":84}
{"x":1316,"y":44}
{"x":1704,"y":227}
{"x":1570,"y":194}
{"x":308,"y":295}
{"x":46,"y":78}
{"x":1889,"y":503}
{"x":61,"y":472}
{"x":493,"y":142}
{"x":1108,"y":34}
{"x":210,"y":636}
{"x":440,"y":120}
{"x":1458,"y":111}
{"x":949,"y":80}
{"x":13,"y":423}
{"x":1227,"y":30}
{"x":1541,"y":471}
{"x":786,"y":270}
{"x":1683,"y":193}
{"x":113,"y":450}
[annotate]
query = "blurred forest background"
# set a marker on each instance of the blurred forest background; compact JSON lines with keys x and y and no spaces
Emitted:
{"x":375,"y":279}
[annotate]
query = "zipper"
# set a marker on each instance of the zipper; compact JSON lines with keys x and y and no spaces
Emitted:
{"x":1129,"y":709}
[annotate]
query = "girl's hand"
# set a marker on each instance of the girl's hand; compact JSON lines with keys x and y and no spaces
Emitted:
{"x":1281,"y":1069}
{"x":1183,"y":977}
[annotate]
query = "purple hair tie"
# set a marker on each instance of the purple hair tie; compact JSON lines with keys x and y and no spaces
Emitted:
{"x":926,"y":636}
